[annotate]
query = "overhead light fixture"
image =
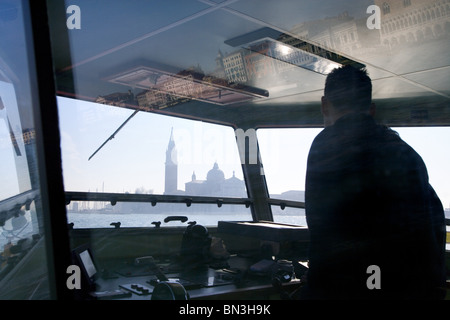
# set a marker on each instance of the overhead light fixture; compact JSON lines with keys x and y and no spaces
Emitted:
{"x":289,"y":49}
{"x":168,"y":86}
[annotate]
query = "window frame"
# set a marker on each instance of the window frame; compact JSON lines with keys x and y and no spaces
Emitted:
{"x":45,"y":116}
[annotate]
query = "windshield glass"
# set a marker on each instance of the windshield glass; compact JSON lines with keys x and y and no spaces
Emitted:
{"x":284,"y":153}
{"x":151,"y":155}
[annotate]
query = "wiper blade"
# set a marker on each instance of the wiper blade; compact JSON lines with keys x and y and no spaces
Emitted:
{"x":114,"y":134}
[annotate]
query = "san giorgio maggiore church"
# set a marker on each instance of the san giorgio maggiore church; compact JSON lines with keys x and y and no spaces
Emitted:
{"x":214,"y":185}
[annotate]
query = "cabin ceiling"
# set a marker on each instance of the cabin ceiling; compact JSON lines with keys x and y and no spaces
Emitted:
{"x":409,"y":67}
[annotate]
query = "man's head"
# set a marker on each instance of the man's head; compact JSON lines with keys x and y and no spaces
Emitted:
{"x":347,"y":90}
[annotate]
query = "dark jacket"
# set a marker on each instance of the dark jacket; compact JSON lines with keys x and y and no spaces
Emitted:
{"x":368,"y":202}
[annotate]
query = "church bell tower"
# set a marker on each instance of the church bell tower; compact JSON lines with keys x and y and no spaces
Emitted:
{"x":171,"y":173}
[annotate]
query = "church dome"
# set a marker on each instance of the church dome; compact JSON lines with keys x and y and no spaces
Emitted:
{"x":233,"y":181}
{"x":215,"y":174}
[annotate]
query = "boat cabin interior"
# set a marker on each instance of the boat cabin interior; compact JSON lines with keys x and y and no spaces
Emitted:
{"x":157,"y":149}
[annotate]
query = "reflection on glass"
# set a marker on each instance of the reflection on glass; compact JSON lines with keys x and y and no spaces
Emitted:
{"x":23,"y":265}
{"x":406,"y":56}
{"x":13,"y":143}
{"x":164,"y":88}
{"x":290,"y":55}
{"x":292,"y":50}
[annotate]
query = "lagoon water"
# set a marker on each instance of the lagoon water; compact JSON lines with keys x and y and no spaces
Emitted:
{"x":104,"y":220}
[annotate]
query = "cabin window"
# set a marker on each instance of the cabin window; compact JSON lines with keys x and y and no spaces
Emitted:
{"x":431,"y":144}
{"x":284,"y":153}
{"x":152,"y":154}
{"x":25,"y":270}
